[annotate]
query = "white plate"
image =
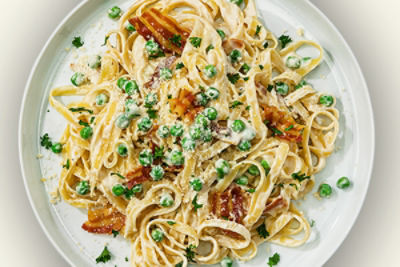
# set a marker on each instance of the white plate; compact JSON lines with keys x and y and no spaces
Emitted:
{"x":339,"y":74}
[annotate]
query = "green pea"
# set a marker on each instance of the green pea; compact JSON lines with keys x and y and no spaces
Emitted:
{"x":165,"y":74}
{"x":211,"y":113}
{"x":146,"y":157}
{"x":122,"y":150}
{"x":131,"y":109}
{"x":129,"y":27}
{"x":202,"y":120}
{"x":196,"y":184}
{"x":221,"y":33}
{"x":212,"y":93}
{"x":202,"y":99}
{"x":188,"y":144}
{"x":176,"y":157}
{"x":196,"y":131}
{"x":101,"y":99}
{"x":266,"y":166}
{"x":94,"y":62}
{"x":157,"y":235}
{"x":282,"y":88}
{"x":150,"y":100}
{"x":118,"y":190}
{"x":121,"y":83}
{"x":56,"y":148}
{"x":157,"y":173}
{"x":222,"y":167}
{"x":253,"y":170}
{"x":114,"y":12}
{"x":152,"y":48}
{"x":242,"y":180}
{"x":166,"y":200}
{"x":343,"y":182}
{"x":163,"y":131}
{"x":210,"y":71}
{"x":177,"y":130}
{"x":145,"y":124}
{"x":244,"y":145}
{"x":78,"y":79}
{"x":131,"y":87}
{"x":293,"y":62}
{"x":86,"y":132}
{"x":137,"y":188}
{"x":226,"y":262}
{"x":82,"y":188}
{"x":238,"y":126}
{"x":122,"y":121}
{"x":207,"y":135}
{"x":326,"y":100}
{"x":235,"y":55}
{"x":325,"y":190}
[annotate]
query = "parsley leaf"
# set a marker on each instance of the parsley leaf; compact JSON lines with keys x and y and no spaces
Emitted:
{"x":300,"y":177}
{"x":152,"y":113}
{"x":233,"y":77}
{"x":179,"y":66}
{"x":270,"y":87}
{"x":312,"y":223}
{"x":258,"y":29}
{"x":195,"y":41}
{"x":221,"y":33}
{"x":105,"y":40}
{"x":115,"y":233}
{"x":195,"y":204}
{"x":262,"y":231}
{"x":159,"y":153}
{"x":171,"y":222}
{"x":126,"y":259}
{"x":236,"y":103}
{"x":118,"y":174}
{"x":248,"y":108}
{"x":209,"y":48}
{"x":180,"y":264}
{"x":251,"y":190}
{"x":261,"y":67}
{"x":189,"y":252}
{"x":104,"y":256}
{"x":285,"y":39}
{"x":45,"y":141}
{"x":176,"y":40}
{"x":274,"y":260}
{"x":289,"y":128}
{"x":77,"y":42}
{"x":81,"y":109}
{"x":81,"y":122}
{"x":66,"y":165}
{"x":275,"y":131}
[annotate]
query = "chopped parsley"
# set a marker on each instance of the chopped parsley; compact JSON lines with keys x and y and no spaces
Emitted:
{"x":171,"y":222}
{"x":179,"y":66}
{"x":105,"y":40}
{"x":66,"y":165}
{"x":152,"y":113}
{"x":233,"y":77}
{"x":126,"y":259}
{"x":274,"y":260}
{"x":289,"y":128}
{"x":258,"y":29}
{"x":251,"y":190}
{"x":176,"y":40}
{"x":83,"y":123}
{"x":262,"y":231}
{"x":294,"y":185}
{"x":275,"y":131}
{"x":221,"y":33}
{"x":77,"y":42}
{"x":261,"y":67}
{"x":180,"y":264}
{"x":159,"y":153}
{"x":104,"y":256}
{"x":209,"y":48}
{"x":300,"y":177}
{"x":115,"y":233}
{"x":312,"y":223}
{"x":285,"y":39}
{"x":195,"y":41}
{"x":195,"y":204}
{"x":270,"y":87}
{"x":244,"y":69}
{"x":92,"y":120}
{"x":81,"y":109}
{"x":236,"y":103}
{"x":190,"y":253}
{"x":45,"y":141}
{"x":248,"y":108}
{"x":118,"y":174}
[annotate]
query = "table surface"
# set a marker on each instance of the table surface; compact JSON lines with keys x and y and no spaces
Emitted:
{"x":370,"y":27}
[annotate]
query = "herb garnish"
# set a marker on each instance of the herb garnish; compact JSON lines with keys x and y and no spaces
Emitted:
{"x":45,"y":141}
{"x":195,"y":204}
{"x":190,"y":253}
{"x":300,"y":177}
{"x":118,"y":174}
{"x":236,"y":103}
{"x":195,"y":41}
{"x":77,"y":42}
{"x":115,"y":233}
{"x":105,"y":40}
{"x":274,"y":260}
{"x":285,"y":39}
{"x":66,"y":165}
{"x":233,"y":77}
{"x":209,"y":48}
{"x":81,"y":109}
{"x":262,"y":231}
{"x":104,"y":256}
{"x":176,"y":40}
{"x":179,"y":66}
{"x":159,"y":152}
{"x":258,"y":29}
{"x":171,"y":222}
{"x":289,"y":128}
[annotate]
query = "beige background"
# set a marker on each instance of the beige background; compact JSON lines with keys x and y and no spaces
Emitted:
{"x":372,"y":29}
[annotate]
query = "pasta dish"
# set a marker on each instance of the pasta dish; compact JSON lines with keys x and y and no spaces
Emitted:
{"x":194,"y":133}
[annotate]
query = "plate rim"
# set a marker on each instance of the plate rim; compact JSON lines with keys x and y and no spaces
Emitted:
{"x":365,"y":90}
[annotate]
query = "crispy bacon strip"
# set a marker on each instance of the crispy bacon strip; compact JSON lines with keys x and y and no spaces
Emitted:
{"x":104,"y":220}
{"x":287,"y":127}
{"x":237,"y":204}
{"x":185,"y":105}
{"x":155,"y":78}
{"x":278,"y":202}
{"x":224,"y":204}
{"x":153,"y":24}
{"x":229,"y":204}
{"x":138,"y":176}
